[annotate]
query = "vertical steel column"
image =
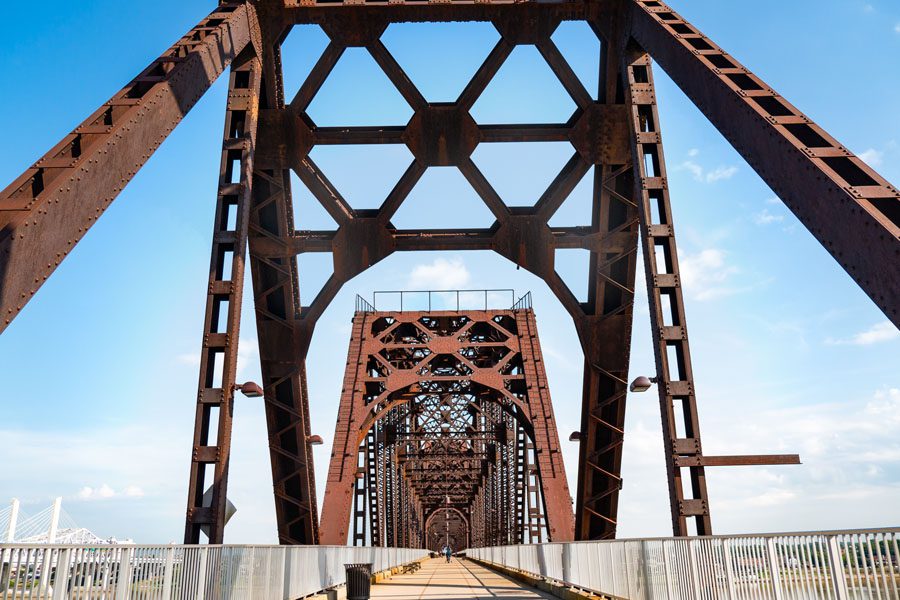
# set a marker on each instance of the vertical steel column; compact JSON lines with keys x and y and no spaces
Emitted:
{"x":221,"y":328}
{"x":673,"y":359}
{"x":283,"y":333}
{"x":605,"y":329}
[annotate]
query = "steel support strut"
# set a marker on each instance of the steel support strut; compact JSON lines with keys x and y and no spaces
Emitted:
{"x":221,"y":327}
{"x":283,"y":331}
{"x":849,"y":208}
{"x":606,"y":323}
{"x":50,"y":207}
{"x":675,"y":379}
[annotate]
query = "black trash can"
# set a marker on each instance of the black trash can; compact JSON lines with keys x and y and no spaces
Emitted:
{"x":359,"y":581}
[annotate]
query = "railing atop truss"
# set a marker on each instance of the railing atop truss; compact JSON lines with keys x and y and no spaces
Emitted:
{"x":443,"y":300}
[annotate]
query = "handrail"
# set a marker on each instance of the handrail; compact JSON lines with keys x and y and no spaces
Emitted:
{"x":523,"y":303}
{"x":459,"y":295}
{"x":363,"y":305}
{"x":164,"y":572}
{"x":810,"y":565}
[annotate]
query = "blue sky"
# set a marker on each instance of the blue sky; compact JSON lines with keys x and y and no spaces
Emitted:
{"x":98,"y":374}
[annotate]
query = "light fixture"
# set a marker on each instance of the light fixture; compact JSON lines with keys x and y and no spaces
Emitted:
{"x":642,"y":383}
{"x":249,"y":389}
{"x":314,"y":440}
{"x":575,"y":436}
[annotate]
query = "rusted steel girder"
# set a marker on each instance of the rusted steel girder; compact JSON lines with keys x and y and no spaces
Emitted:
{"x":445,"y":411}
{"x":283,"y":328}
{"x":848,"y":207}
{"x":51,"y":206}
{"x":675,"y":377}
{"x":221,"y":327}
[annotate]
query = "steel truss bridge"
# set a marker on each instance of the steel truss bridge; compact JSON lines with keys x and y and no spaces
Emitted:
{"x":462,"y":422}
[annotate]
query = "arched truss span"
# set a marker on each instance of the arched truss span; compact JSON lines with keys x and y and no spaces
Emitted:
{"x":445,"y":411}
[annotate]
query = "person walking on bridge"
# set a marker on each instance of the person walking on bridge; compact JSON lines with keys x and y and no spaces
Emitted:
{"x":448,"y":552}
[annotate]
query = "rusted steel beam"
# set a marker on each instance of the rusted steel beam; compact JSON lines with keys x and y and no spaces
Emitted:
{"x":357,"y":135}
{"x":525,"y":133}
{"x":362,"y":17}
{"x":225,"y":287}
{"x":604,"y":321}
{"x":50,"y":207}
{"x":737,"y":460}
{"x":849,"y":208}
{"x":667,"y":316}
{"x":282,"y":332}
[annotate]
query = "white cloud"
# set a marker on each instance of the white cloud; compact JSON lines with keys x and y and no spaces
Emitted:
{"x":880,"y":332}
{"x":897,"y":28}
{"x":440,"y":274}
{"x":721,"y":173}
{"x":848,"y":448}
{"x":105,"y":492}
{"x":701,"y":174}
{"x":705,"y":274}
{"x":693,"y":152}
{"x":765,"y":217}
{"x":872,"y":157}
{"x":773,"y":200}
{"x":772,"y":497}
{"x":695,"y":169}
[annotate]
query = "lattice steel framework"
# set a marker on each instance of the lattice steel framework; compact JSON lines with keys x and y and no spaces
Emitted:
{"x":849,"y":208}
{"x":445,"y":413}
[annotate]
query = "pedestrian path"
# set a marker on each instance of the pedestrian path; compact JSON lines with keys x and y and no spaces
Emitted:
{"x":457,"y":580}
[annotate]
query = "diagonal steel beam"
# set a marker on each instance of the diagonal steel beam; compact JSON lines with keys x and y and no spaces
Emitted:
{"x":51,"y":206}
{"x":846,"y":205}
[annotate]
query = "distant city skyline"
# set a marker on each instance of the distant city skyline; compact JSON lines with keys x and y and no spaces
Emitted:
{"x":98,"y":374}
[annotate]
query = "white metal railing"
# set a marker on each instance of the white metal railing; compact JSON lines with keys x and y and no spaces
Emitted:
{"x":846,"y":565}
{"x":54,"y":572}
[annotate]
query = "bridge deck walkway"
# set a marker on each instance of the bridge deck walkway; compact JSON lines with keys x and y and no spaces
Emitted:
{"x":457,"y":580}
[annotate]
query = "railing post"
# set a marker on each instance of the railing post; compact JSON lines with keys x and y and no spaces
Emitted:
{"x":45,"y":570}
{"x":648,"y":576}
{"x":167,"y":574}
{"x":201,"y":574}
{"x":670,"y":591}
{"x":695,"y":572}
{"x":123,"y":579}
{"x":774,"y":570}
{"x":61,"y":585}
{"x":837,"y":568}
{"x":729,"y":570}
{"x":287,"y":573}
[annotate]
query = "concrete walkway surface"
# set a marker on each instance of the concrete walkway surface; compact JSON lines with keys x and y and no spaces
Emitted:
{"x":458,"y":580}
